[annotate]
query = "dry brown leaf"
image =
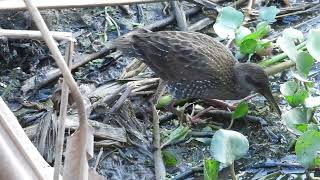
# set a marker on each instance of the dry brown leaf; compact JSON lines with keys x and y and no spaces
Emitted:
{"x":74,"y":156}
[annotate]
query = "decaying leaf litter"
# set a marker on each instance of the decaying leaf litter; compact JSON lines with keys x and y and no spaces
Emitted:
{"x":130,"y":157}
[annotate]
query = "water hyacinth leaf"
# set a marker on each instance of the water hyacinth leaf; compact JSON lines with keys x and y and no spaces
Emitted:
{"x":289,"y":88}
{"x":307,"y":148}
{"x":302,"y":127}
{"x":288,"y":47}
{"x":295,"y":117}
{"x":241,"y":32}
{"x":304,"y":64}
{"x":248,"y":46}
{"x":293,"y":34}
{"x":297,"y":98}
{"x":241,"y":110}
{"x":313,"y":43}
{"x":312,"y":102}
{"x":268,"y":14}
{"x":169,"y":158}
{"x":211,"y":169}
{"x":228,"y":20}
{"x":164,"y":101}
{"x":228,"y":145}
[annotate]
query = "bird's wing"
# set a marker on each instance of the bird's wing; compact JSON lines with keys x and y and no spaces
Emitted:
{"x":178,"y":56}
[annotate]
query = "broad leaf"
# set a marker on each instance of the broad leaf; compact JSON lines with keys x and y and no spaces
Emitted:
{"x":304,"y":64}
{"x":293,"y":34}
{"x":268,"y":14}
{"x":307,"y":148}
{"x":211,"y":169}
{"x":288,"y":47}
{"x":263,"y":28}
{"x":228,"y":20}
{"x":289,"y":88}
{"x":313,"y":43}
{"x":228,"y":145}
{"x":241,"y":110}
{"x":295,"y":117}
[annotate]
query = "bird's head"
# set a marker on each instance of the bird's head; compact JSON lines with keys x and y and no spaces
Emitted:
{"x":253,"y":78}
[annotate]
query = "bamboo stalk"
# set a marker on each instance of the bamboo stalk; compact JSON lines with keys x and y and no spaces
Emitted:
{"x":29,"y":34}
{"x":60,"y":4}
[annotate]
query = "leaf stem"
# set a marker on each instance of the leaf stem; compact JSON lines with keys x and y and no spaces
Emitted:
{"x":232,"y":172}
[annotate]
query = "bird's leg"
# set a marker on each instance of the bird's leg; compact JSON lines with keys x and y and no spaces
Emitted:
{"x":196,"y":118}
{"x":220,"y":104}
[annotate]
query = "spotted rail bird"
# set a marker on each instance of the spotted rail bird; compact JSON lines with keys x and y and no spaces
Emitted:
{"x":194,"y":65}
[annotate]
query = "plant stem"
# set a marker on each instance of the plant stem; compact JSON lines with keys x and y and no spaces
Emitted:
{"x":281,"y":56}
{"x":232,"y":172}
{"x":231,"y":123}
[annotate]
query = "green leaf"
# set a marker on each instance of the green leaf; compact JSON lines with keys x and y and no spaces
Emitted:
{"x":289,"y":88}
{"x":304,"y":64}
{"x":211,"y":169}
{"x":228,"y":20}
{"x":228,"y":145}
{"x":288,"y":47}
{"x":164,"y":101}
{"x":169,"y":158}
{"x":268,"y":14}
{"x":263,"y":28}
{"x":298,"y":98}
{"x":178,"y":134}
{"x":248,"y":46}
{"x":294,"y":117}
{"x":241,"y":110}
{"x":302,"y":127}
{"x":293,"y":34}
{"x":313,"y":43}
{"x":307,"y":148}
{"x":241,"y":32}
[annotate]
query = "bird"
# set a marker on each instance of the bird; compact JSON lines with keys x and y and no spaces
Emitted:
{"x":195,"y":65}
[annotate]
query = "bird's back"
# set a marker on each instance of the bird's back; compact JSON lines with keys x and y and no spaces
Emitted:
{"x":192,"y":63}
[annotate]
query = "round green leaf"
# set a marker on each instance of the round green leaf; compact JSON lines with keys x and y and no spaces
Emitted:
{"x":228,"y":20}
{"x":263,"y":28}
{"x":248,"y":46}
{"x":307,"y":148}
{"x":241,"y":110}
{"x":228,"y":145}
{"x":294,"y":117}
{"x":288,"y":47}
{"x":288,"y":88}
{"x":313,"y":43}
{"x":268,"y":14}
{"x":304,"y":64}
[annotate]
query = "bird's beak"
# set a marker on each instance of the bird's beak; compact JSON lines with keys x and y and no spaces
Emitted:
{"x":268,"y":95}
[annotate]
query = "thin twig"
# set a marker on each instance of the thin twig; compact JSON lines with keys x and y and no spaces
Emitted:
{"x":35,"y":14}
{"x":232,"y":172}
{"x":180,"y":15}
{"x":98,"y":159}
{"x":62,"y":117}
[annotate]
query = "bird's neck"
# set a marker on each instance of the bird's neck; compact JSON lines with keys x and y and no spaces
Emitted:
{"x":243,"y":89}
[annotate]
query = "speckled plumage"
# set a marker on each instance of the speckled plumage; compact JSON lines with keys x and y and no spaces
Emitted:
{"x":195,"y":65}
